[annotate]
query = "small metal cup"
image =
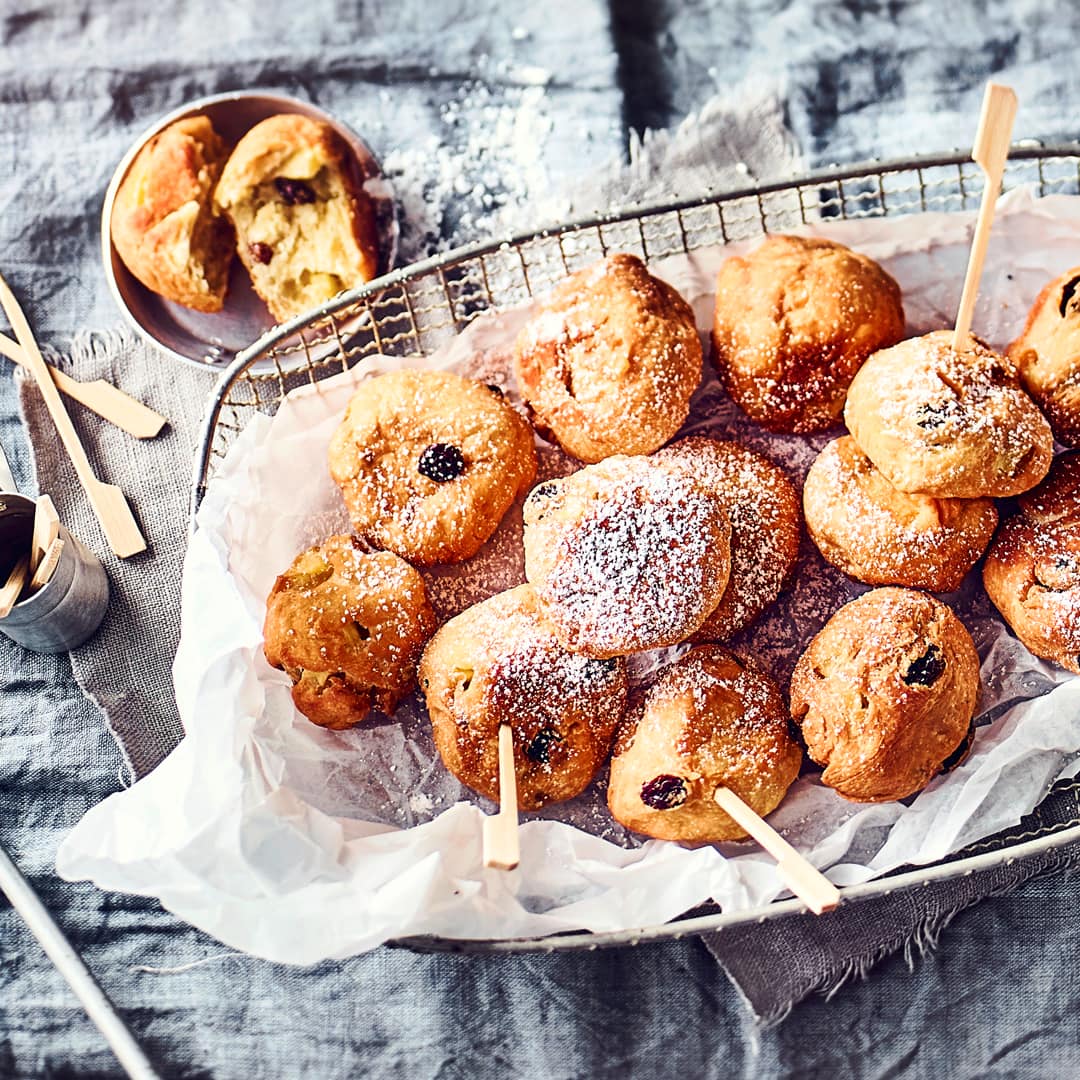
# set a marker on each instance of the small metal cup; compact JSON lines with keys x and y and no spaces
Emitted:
{"x":69,"y":607}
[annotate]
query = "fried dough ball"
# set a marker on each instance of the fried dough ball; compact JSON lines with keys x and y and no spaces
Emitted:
{"x":428,"y":463}
{"x":954,"y":425}
{"x":305,"y":227}
{"x":499,"y":663}
{"x":609,"y":362}
{"x":885,"y":694}
{"x":881,"y":536}
{"x":164,"y":225}
{"x":710,"y":720}
{"x":1047,"y":352}
{"x":628,"y":554}
{"x":794,"y":321}
{"x":348,"y":625}
{"x":1032,"y":571}
{"x":765,"y":527}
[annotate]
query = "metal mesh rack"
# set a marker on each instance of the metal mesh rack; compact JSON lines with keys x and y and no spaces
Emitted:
{"x":414,"y":311}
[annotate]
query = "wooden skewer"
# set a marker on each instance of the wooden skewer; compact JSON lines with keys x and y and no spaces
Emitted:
{"x":990,"y":151}
{"x":811,"y":886}
{"x":108,"y":501}
{"x":99,"y":396}
{"x":47,"y":567}
{"x":501,"y":848}
{"x":46,"y":530}
{"x":13,"y":587}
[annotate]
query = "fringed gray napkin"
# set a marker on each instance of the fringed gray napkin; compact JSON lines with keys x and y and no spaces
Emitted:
{"x":126,"y":667}
{"x":778,"y":963}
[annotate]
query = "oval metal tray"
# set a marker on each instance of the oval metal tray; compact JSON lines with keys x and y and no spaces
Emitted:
{"x":414,"y":311}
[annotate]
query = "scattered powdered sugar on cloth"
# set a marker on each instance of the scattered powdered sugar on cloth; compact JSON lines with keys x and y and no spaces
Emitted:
{"x":487,"y":170}
{"x":292,"y":820}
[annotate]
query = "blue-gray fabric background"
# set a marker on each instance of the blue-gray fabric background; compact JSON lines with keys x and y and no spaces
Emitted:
{"x":477,"y":109}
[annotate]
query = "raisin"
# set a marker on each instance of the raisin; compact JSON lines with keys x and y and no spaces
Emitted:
{"x":496,"y":390}
{"x":539,"y":750}
{"x":1067,"y":295}
{"x":664,"y":792}
{"x":609,"y":663}
{"x":930,"y":416}
{"x":441,"y":462}
{"x":544,"y":491}
{"x":927,"y":669}
{"x":261,"y":253}
{"x":294,"y":191}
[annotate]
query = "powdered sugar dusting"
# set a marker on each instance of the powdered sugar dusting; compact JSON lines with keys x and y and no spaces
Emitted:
{"x":948,"y":423}
{"x":765,"y":526}
{"x":638,"y":566}
{"x":886,"y":537}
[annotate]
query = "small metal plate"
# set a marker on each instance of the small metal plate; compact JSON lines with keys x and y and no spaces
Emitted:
{"x":195,"y":337}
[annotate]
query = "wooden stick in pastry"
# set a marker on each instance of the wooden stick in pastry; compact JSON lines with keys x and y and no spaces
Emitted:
{"x":990,"y":151}
{"x":107,"y":500}
{"x":99,"y":396}
{"x":501,"y":849}
{"x":811,"y":886}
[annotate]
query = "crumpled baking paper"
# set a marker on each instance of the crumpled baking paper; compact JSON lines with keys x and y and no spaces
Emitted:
{"x":298,"y":844}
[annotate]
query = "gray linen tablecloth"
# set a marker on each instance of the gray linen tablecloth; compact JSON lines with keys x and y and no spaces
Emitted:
{"x":520,"y":106}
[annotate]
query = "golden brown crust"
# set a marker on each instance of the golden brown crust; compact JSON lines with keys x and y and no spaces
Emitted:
{"x":377,"y":456}
{"x":499,"y":663}
{"x":163,"y":222}
{"x":885,"y":694}
{"x":955,"y":425}
{"x":305,"y":227}
{"x":1032,"y":570}
{"x":1047,"y":353}
{"x":631,"y":553}
{"x":765,"y":527}
{"x":1057,"y":498}
{"x":348,"y":626}
{"x":794,"y":321}
{"x":610,"y":361}
{"x":710,"y":720}
{"x":881,"y":536}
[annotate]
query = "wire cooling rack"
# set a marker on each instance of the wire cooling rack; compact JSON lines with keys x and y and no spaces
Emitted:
{"x":414,"y":311}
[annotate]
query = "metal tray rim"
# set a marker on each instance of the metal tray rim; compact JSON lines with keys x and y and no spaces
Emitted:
{"x":919,"y":877}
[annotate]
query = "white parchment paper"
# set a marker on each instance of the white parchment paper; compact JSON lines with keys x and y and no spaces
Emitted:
{"x":299,"y":844}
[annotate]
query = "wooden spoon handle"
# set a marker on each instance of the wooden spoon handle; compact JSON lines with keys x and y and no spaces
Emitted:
{"x":46,"y":530}
{"x":99,"y":396}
